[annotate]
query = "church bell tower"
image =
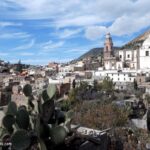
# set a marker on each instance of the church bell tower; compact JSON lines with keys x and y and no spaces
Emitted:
{"x":108,"y":53}
{"x":108,"y":47}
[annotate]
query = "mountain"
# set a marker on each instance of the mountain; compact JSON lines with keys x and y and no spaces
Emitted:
{"x":94,"y":52}
{"x":136,"y":42}
{"x":91,"y":53}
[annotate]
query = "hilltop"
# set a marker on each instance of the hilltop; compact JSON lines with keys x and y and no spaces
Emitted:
{"x":136,"y":42}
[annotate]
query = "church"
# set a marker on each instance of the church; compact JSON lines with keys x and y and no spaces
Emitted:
{"x":131,"y":59}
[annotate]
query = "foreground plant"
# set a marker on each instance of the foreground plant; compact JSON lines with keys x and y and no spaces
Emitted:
{"x":35,"y":125}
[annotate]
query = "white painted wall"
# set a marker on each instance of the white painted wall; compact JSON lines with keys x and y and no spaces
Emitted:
{"x":135,"y":56}
{"x":121,"y":53}
{"x":115,"y":76}
{"x":128,"y":53}
{"x":119,"y":65}
{"x":144,"y":60}
{"x":107,"y":65}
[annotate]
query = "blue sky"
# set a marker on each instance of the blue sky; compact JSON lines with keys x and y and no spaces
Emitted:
{"x":41,"y":31}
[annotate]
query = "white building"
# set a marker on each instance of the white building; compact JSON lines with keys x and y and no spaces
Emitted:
{"x":125,"y":76}
{"x":138,"y":58}
{"x":145,"y":54}
{"x":122,"y":79}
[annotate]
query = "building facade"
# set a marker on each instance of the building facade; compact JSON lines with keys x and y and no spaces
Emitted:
{"x":134,"y":59}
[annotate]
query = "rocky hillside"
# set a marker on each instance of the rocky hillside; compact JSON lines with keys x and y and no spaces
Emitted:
{"x":136,"y":42}
{"x":92,"y":53}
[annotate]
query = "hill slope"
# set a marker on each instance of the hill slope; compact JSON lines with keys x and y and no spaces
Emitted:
{"x":136,"y":42}
{"x":92,"y":53}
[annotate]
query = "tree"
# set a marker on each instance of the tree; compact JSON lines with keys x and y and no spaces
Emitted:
{"x":135,"y":85}
{"x":19,"y":66}
{"x":74,"y":84}
{"x":95,"y":85}
{"x":108,"y":85}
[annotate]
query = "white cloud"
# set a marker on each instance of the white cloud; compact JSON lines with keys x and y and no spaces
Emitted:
{"x":6,"y":24}
{"x":50,"y":45}
{"x":26,"y":54}
{"x":68,"y":33}
{"x":78,"y":21}
{"x":127,"y":25}
{"x":126,"y":17}
{"x":25,"y":46}
{"x":95,"y":32}
{"x":14,"y":35}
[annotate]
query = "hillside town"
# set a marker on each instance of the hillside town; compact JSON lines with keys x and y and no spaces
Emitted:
{"x":119,"y":77}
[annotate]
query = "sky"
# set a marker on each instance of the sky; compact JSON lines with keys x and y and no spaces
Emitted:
{"x":43,"y":31}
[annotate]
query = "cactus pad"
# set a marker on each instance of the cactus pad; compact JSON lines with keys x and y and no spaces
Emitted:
{"x":27,"y":90}
{"x":45,"y":95}
{"x":58,"y":135}
{"x":12,"y":108}
{"x":51,"y":90}
{"x":48,"y":110}
{"x":8,"y":121}
{"x":20,"y":140}
{"x":22,"y":119}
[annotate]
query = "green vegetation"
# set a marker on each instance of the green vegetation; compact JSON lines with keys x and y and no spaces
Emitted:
{"x":37,"y":126}
{"x":19,"y":66}
{"x":107,"y":85}
{"x":135,"y":85}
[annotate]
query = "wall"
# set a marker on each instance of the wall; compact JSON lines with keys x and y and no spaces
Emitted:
{"x":144,"y":60}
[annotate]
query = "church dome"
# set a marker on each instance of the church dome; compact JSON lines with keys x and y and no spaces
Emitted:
{"x":147,"y":41}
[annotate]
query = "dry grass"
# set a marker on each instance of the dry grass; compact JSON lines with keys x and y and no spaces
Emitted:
{"x":99,"y":116}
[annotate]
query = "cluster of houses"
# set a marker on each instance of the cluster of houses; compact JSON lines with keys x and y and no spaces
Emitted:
{"x":123,"y":66}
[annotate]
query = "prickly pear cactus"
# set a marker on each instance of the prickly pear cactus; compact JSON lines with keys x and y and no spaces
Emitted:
{"x":22,"y":119}
{"x":35,"y":124}
{"x":45,"y":95}
{"x":27,"y":90}
{"x":58,"y":135}
{"x":12,"y":109}
{"x":20,"y":140}
{"x":48,"y":110}
{"x":51,"y":90}
{"x":8,"y":122}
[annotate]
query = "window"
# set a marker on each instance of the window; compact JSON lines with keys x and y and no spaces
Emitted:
{"x":106,"y":48}
{"x":118,"y":79}
{"x":120,"y":56}
{"x":147,"y":53}
{"x":128,"y":56}
{"x":124,"y":79}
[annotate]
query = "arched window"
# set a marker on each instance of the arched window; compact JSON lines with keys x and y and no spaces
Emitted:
{"x":106,"y":48}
